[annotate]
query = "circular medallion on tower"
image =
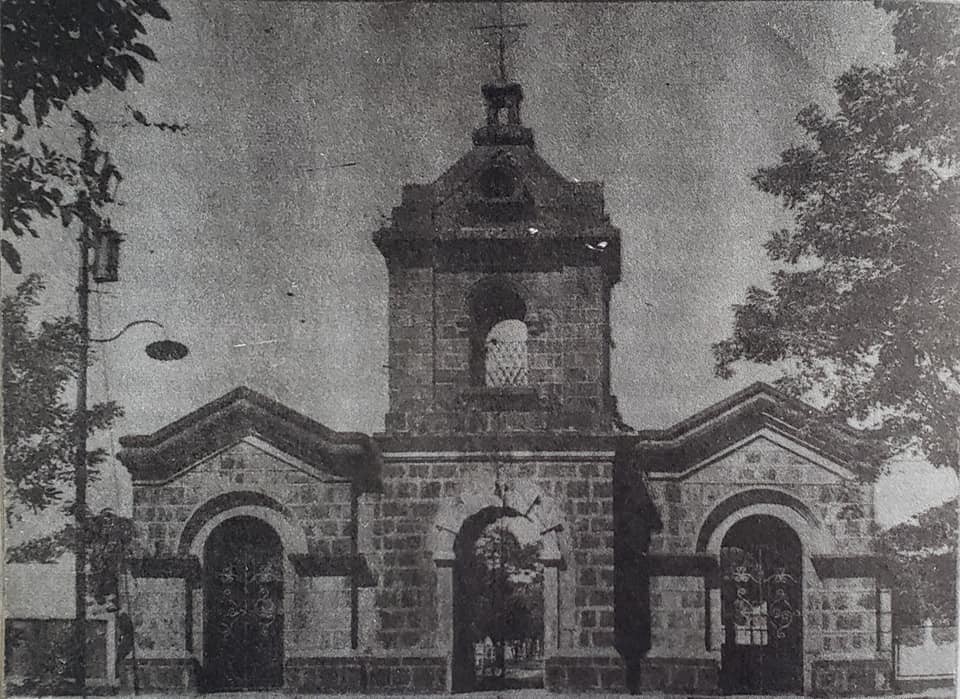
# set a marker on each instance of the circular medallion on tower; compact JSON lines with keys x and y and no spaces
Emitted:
{"x":498,"y":183}
{"x":499,"y":196}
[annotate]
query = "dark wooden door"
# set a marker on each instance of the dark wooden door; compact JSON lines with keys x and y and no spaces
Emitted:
{"x":243,"y":607}
{"x":762,"y":597}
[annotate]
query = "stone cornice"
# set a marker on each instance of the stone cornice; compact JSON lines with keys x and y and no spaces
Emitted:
{"x":862,"y":566}
{"x":526,"y":445}
{"x":187,"y":567}
{"x":700,"y":565}
{"x":420,"y":457}
{"x":160,"y":456}
{"x":314,"y":566}
{"x":757,"y":407}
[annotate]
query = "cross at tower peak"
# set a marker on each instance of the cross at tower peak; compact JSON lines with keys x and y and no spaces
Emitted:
{"x":500,"y":27}
{"x":502,"y":96}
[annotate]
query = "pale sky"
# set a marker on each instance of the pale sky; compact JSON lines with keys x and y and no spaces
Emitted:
{"x":241,"y":230}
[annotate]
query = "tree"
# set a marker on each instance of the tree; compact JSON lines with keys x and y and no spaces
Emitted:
{"x":39,"y":426}
{"x":506,"y":586}
{"x":865,"y":308}
{"x":40,"y":432}
{"x":923,"y":557}
{"x":52,"y":51}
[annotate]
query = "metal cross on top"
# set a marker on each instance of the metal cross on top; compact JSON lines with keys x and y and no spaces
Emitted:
{"x":500,"y":28}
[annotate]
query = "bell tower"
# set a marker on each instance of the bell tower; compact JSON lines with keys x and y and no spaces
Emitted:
{"x":500,"y":274}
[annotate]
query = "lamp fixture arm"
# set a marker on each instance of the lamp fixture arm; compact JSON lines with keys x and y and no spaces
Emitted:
{"x":125,"y":328}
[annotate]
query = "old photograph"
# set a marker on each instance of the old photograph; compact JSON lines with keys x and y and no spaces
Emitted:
{"x":503,"y":349}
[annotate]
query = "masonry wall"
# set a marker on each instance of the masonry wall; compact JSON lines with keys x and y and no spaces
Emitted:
{"x":677,"y":620}
{"x":167,"y":609}
{"x":840,"y":619}
{"x":568,"y":349}
{"x":322,"y":615}
{"x":321,"y":507}
{"x":410,"y":345}
{"x":407,"y":512}
{"x":160,"y":633}
{"x":845,"y":508}
{"x":842,"y":612}
{"x":411,"y":614}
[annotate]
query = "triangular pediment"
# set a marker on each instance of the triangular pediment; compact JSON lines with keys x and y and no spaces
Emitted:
{"x":766,"y":456}
{"x":551,"y":200}
{"x":532,"y":170}
{"x":765,"y":424}
{"x":256,"y":453}
{"x":246,"y":417}
{"x":537,"y":202}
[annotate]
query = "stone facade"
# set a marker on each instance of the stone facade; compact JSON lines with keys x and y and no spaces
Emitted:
{"x":568,"y":318}
{"x":173,"y":520}
{"x":321,"y":506}
{"x":633,"y":529}
{"x":733,"y":462}
{"x":425,"y":501}
{"x":234,"y":459}
{"x":386,"y":674}
{"x":458,"y":444}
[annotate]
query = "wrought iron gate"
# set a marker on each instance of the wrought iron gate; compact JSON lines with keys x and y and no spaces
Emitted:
{"x":497,"y":607}
{"x":243,"y":606}
{"x":762,"y":597}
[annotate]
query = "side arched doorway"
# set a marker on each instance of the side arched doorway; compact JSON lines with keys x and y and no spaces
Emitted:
{"x":243,"y":606}
{"x":498,"y":604}
{"x":761,"y":567}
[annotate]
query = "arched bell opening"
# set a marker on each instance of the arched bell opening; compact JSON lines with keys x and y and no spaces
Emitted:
{"x":498,"y":603}
{"x":243,"y":606}
{"x":498,"y":343}
{"x":761,"y":588}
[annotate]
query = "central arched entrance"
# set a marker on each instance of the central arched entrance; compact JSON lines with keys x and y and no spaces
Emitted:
{"x":498,"y":603}
{"x":243,"y":606}
{"x":761,"y":565}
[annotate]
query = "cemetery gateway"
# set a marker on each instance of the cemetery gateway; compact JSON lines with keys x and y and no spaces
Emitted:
{"x":731,"y":553}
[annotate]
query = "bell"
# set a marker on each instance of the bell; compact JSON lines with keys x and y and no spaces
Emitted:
{"x":106,"y":257}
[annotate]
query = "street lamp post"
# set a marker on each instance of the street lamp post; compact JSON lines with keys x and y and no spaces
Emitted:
{"x":107,"y":256}
{"x":80,"y":467}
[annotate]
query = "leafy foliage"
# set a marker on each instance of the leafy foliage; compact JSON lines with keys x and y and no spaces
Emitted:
{"x":504,"y":584}
{"x":35,"y":186}
{"x":52,"y":51}
{"x":933,"y":530}
{"x":139,"y":117}
{"x":866,"y":306}
{"x":39,"y":426}
{"x":40,"y":437}
{"x":923,"y":559}
{"x":109,"y":544}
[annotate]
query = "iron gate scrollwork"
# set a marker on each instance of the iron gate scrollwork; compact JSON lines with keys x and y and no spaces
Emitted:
{"x":761,"y":589}
{"x":243,"y":602}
